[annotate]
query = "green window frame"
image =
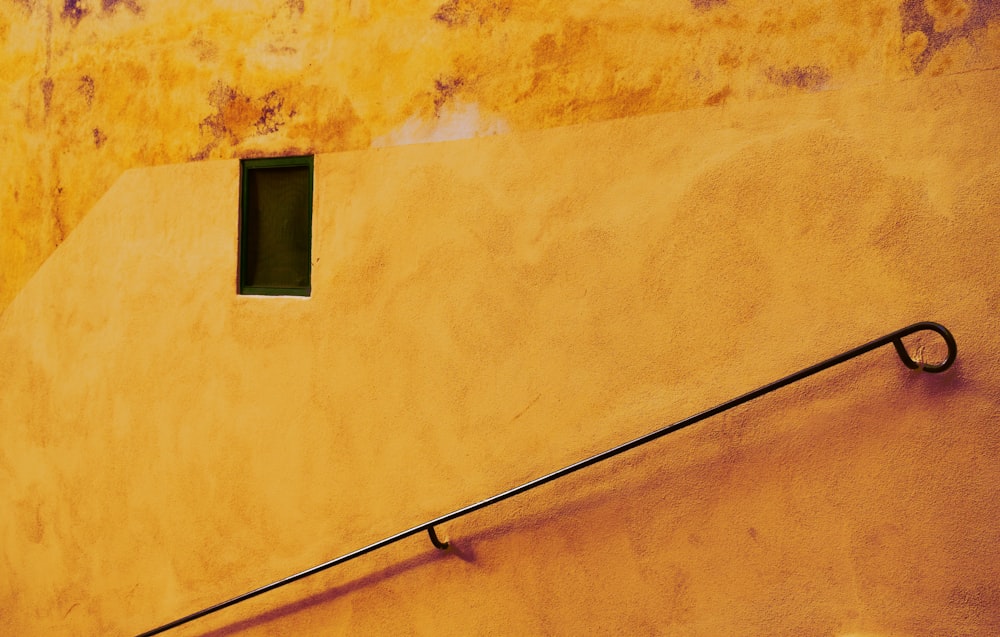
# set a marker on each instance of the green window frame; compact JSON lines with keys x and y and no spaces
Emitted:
{"x":275,"y":233}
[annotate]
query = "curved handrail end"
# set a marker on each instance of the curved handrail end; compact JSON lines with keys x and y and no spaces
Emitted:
{"x":940,"y":330}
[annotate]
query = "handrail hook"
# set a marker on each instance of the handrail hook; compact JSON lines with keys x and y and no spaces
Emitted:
{"x":897,"y":342}
{"x":438,"y":544}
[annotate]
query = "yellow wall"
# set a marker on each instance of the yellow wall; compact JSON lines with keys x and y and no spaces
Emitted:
{"x":92,"y":88}
{"x":486,"y":310}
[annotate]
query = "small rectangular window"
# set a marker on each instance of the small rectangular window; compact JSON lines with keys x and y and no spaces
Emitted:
{"x":276,"y":226}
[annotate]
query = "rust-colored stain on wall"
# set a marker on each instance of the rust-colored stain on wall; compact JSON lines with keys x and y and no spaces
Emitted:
{"x":146,"y":84}
{"x":239,"y":116}
{"x":462,"y":13}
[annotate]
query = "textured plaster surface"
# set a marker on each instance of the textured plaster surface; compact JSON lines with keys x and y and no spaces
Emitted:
{"x":93,"y":88}
{"x":486,"y":310}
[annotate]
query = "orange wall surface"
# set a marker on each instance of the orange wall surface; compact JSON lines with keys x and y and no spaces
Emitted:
{"x":486,"y":310}
{"x":93,"y":87}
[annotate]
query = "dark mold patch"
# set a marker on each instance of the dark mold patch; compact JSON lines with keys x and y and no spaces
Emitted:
{"x":239,"y":115}
{"x":74,"y":11}
{"x":460,"y":13}
{"x":445,"y":90}
{"x":99,"y":138}
{"x":86,"y":88}
{"x":807,"y":78}
{"x":916,"y":20}
{"x":110,"y":6}
{"x":271,"y":116}
{"x":705,"y":5}
{"x":47,"y":86}
{"x":956,"y":19}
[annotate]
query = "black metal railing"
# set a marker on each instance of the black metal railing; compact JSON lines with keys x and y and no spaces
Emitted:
{"x":895,"y":338}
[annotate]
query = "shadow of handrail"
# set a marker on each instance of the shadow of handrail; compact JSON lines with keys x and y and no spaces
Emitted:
{"x":895,"y":338}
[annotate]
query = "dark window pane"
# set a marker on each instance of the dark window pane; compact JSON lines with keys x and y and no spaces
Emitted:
{"x":276,"y":235}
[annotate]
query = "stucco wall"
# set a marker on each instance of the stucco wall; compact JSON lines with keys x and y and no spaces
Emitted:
{"x":487,"y":310}
{"x":92,"y":88}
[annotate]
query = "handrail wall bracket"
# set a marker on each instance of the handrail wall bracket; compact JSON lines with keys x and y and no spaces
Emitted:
{"x":438,"y":544}
{"x":926,"y":367}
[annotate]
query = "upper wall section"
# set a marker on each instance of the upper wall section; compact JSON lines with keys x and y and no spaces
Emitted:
{"x":94,"y":88}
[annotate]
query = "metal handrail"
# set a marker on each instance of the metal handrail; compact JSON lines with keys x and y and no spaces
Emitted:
{"x":894,"y":337}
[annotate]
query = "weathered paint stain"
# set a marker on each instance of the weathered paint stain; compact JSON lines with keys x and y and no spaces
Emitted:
{"x":207,"y":50}
{"x":110,"y":6}
{"x":705,"y":5}
{"x":27,"y":5}
{"x":461,"y":13}
{"x":47,"y":85}
{"x":239,"y":115}
{"x":86,"y":88}
{"x":74,"y":11}
{"x":947,"y":14}
{"x":445,"y":89}
{"x":929,"y":26}
{"x":807,"y":78}
{"x":58,"y":226}
{"x":719,"y":97}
